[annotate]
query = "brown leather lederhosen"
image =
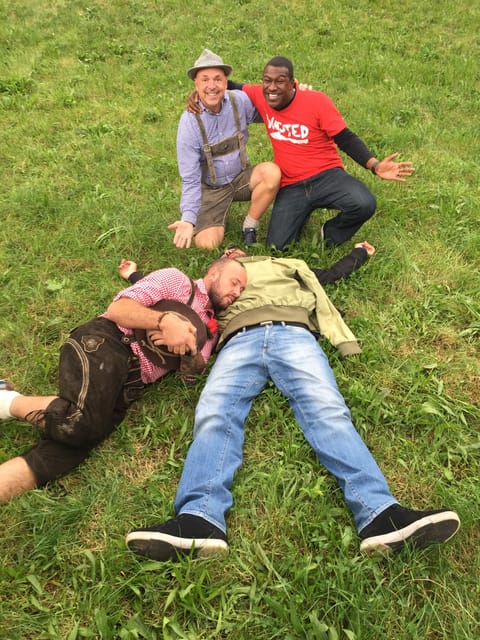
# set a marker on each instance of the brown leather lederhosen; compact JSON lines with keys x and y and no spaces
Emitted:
{"x":223,"y":147}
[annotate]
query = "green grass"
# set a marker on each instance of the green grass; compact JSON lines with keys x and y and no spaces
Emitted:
{"x":90,"y":96}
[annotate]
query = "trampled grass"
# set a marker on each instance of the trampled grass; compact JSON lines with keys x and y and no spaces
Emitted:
{"x":90,"y":96}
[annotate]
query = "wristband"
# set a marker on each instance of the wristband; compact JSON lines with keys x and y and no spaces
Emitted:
{"x":374,"y":167}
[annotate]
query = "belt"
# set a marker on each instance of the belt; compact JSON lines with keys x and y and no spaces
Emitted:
{"x":269,"y":323}
{"x":266,"y":323}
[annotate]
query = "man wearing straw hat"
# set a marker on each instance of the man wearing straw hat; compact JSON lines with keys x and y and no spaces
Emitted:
{"x":213,"y":161}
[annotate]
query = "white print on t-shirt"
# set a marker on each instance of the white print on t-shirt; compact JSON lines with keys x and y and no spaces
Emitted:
{"x":295,"y":133}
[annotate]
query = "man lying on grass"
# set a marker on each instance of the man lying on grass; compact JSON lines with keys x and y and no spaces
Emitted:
{"x":106,"y":363}
{"x":270,"y":334}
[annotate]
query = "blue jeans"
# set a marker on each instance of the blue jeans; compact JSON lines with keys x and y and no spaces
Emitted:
{"x":332,"y":189}
{"x":293,"y":360}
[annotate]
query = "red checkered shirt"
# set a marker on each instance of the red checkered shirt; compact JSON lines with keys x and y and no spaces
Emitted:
{"x":167,"y":284}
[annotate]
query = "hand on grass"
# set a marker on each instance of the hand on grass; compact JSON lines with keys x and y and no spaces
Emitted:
{"x":126,"y":268}
{"x":369,"y":248}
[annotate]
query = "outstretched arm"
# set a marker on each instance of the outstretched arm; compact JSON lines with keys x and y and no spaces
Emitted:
{"x":387,"y":169}
{"x":346,"y":265}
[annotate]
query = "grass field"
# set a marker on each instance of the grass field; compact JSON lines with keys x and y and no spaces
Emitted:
{"x":90,"y":96}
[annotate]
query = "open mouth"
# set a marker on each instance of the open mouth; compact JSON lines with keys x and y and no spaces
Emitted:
{"x":272,"y":97}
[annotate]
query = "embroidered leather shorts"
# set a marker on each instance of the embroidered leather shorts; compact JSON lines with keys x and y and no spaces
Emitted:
{"x":99,"y":378}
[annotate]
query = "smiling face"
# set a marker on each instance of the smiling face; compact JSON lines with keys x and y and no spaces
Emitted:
{"x":278,"y":86}
{"x":211,"y":85}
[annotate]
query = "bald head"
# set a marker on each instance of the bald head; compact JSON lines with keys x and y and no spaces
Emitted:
{"x":225,"y":280}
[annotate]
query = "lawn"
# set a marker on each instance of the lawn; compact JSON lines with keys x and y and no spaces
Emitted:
{"x":90,"y":96}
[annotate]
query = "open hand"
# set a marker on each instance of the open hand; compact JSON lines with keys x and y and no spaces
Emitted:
{"x":183,"y":233}
{"x":387,"y":169}
{"x":369,"y":248}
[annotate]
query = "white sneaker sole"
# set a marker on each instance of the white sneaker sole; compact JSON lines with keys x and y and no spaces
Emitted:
{"x":432,"y":529}
{"x":162,"y":546}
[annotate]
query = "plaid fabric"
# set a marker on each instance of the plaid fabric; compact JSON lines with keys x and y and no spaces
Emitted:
{"x":167,"y":284}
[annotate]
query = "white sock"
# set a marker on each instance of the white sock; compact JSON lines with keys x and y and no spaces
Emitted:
{"x":250,"y":223}
{"x":6,"y":398}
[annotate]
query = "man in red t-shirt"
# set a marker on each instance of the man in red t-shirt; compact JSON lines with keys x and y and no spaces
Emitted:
{"x":305,"y":129}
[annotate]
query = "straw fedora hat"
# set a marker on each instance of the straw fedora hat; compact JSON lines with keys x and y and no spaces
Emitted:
{"x":207,"y":60}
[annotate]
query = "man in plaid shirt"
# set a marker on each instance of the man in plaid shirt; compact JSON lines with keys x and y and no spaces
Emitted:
{"x":103,"y":368}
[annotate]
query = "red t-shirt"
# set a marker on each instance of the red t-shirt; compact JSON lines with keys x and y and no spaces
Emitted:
{"x":301,"y":134}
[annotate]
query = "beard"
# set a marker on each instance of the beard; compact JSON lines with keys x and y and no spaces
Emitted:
{"x":219,"y":302}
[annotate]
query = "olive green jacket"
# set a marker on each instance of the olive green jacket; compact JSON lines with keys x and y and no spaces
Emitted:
{"x":285,"y":289}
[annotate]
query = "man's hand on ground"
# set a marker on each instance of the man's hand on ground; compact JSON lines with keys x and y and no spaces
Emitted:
{"x":126,"y":268}
{"x":388,"y":169}
{"x":369,"y":248}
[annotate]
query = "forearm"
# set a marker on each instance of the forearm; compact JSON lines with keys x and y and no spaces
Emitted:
{"x":343,"y":268}
{"x":189,"y":161}
{"x":191,"y":196}
{"x":354,"y":147}
{"x":131,"y":314}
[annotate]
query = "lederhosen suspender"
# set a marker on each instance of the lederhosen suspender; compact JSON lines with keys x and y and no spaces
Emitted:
{"x":224,"y":146}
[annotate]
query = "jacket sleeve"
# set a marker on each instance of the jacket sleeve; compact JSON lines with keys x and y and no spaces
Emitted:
{"x":327,"y":317}
{"x":343,"y":268}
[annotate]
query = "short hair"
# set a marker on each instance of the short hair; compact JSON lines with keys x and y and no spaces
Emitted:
{"x":220,"y":264}
{"x":280,"y":61}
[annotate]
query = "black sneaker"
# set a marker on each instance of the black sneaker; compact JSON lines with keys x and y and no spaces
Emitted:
{"x":397,"y":525}
{"x":249,"y":236}
{"x":177,"y":537}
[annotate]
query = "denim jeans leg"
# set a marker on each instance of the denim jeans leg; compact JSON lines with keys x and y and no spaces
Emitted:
{"x":215,"y":454}
{"x":336,"y":189}
{"x":291,"y":211}
{"x":300,"y":369}
{"x":333,"y":189}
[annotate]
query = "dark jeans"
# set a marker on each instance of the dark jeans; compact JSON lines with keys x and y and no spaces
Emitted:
{"x":99,"y":377}
{"x":332,"y":189}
